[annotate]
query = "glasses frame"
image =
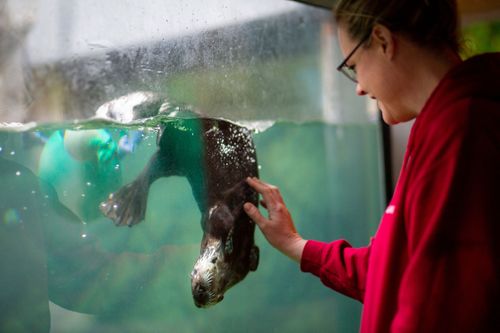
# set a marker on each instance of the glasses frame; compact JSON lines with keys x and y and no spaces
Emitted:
{"x":348,"y":71}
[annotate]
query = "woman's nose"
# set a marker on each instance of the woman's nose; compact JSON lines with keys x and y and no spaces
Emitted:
{"x":359,"y":90}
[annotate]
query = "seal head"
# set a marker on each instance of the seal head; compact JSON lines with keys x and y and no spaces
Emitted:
{"x":227,"y":252}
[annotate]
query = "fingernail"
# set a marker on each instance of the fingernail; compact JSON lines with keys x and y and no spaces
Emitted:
{"x":247,"y":206}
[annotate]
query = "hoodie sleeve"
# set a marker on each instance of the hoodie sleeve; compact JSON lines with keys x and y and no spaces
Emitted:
{"x":338,"y":265}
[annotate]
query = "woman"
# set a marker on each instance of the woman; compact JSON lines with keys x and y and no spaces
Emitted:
{"x":433,"y":265}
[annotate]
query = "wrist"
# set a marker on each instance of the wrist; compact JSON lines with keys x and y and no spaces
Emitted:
{"x":295,"y":248}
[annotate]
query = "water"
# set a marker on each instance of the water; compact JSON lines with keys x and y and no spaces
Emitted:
{"x":61,"y":255}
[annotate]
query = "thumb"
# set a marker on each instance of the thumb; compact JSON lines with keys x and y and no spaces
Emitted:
{"x":254,"y":213}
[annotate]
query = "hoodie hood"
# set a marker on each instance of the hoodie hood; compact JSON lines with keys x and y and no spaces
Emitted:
{"x":476,"y":77}
{"x":467,"y":96}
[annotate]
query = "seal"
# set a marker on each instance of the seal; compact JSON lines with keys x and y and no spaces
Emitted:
{"x":215,"y":156}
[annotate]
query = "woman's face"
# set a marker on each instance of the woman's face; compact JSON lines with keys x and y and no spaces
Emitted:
{"x":377,"y":75}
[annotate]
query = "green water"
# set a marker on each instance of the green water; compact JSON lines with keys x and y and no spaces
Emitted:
{"x":59,"y":254}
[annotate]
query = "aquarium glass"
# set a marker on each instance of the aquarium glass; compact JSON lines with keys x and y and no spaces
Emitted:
{"x":86,"y":88}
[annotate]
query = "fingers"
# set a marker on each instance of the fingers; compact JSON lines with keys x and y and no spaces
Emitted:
{"x":259,"y":185}
{"x":254,"y":213}
{"x":251,"y":209}
{"x":270,"y":193}
{"x":278,"y":228}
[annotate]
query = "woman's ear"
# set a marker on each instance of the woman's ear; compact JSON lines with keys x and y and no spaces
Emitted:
{"x":385,"y":39}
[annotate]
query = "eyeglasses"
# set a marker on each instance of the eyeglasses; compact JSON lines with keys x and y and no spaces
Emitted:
{"x":350,"y":71}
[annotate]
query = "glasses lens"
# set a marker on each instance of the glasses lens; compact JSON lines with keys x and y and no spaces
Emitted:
{"x":350,"y":73}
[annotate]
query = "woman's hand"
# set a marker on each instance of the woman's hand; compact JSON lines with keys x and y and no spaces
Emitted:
{"x":278,"y":229}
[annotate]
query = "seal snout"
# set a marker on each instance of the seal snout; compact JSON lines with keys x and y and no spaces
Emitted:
{"x":206,"y":278}
{"x":200,"y":295}
{"x":203,"y":297}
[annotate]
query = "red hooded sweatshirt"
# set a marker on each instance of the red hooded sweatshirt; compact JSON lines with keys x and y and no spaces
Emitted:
{"x":434,"y":263}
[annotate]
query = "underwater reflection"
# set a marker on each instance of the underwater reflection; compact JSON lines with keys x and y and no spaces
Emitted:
{"x":87,"y":161}
{"x":48,"y":255}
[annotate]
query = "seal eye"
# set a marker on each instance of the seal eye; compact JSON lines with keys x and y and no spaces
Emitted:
{"x":214,"y":260}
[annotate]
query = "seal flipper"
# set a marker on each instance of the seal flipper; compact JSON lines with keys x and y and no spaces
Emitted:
{"x":254,"y":258}
{"x":127,"y":206}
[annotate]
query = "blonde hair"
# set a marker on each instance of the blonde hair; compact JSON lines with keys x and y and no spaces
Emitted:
{"x":429,"y":23}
